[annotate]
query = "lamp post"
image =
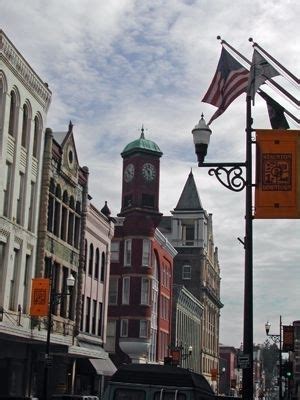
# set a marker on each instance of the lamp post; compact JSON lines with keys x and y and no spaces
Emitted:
{"x":55,"y":298}
{"x":230,"y":175}
{"x":178,"y":353}
{"x":277,"y":339}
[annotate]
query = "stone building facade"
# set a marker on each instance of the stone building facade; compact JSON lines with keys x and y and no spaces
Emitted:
{"x":196,"y":266}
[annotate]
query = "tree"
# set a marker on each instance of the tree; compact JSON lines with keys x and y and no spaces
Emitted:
{"x":270,"y":357}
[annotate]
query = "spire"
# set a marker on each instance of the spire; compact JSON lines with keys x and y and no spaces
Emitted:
{"x":70,"y":126}
{"x":105,"y":210}
{"x":142,"y":132}
{"x":189,"y":199}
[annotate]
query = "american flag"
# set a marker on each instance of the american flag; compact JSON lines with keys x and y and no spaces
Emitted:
{"x":230,"y":80}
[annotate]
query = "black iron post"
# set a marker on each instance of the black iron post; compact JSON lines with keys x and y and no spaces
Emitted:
{"x":47,"y":353}
{"x":55,"y":298}
{"x":235,"y":181}
{"x":277,"y":338}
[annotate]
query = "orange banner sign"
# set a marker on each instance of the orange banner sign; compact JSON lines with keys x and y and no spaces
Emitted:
{"x":39,"y":297}
{"x":277,"y":189}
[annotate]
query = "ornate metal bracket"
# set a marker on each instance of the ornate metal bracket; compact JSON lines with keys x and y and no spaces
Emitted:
{"x":275,"y":338}
{"x":229,"y":175}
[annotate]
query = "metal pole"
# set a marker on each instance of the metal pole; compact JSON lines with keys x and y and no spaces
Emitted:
{"x":49,"y":324}
{"x":280,"y":359}
{"x":248,"y":283}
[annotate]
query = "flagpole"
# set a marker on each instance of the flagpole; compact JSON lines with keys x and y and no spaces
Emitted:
{"x":273,"y":83}
{"x":248,"y":245}
{"x":292,"y":76}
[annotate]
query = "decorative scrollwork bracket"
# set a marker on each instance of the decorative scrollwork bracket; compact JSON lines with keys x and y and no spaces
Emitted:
{"x":229,"y":175}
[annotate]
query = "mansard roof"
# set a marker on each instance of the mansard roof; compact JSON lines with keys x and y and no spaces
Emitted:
{"x":189,"y":199}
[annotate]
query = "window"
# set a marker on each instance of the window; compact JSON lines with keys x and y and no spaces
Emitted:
{"x":82,"y":311}
{"x":97,"y":262}
{"x":146,"y":252}
{"x":13,"y":298}
{"x":169,"y":395}
{"x":186,"y":272}
{"x":35,"y":137}
{"x":132,"y":394}
{"x":114,"y":250}
{"x":113,"y":291}
{"x":88,"y":314}
{"x":91,"y":259}
{"x":2,"y":259}
{"x":110,"y":336}
{"x":94,"y":317}
{"x":124,"y":328}
{"x":7,"y":189}
{"x":31,"y":207}
{"x":126,"y":290}
{"x":188,"y":233}
{"x":127,"y":252}
{"x":148,"y":200}
{"x":100,"y":308}
{"x":102,"y":267}
{"x":12,"y":114}
{"x":25,"y":126}
{"x":144,"y":324}
{"x":145,"y":291}
{"x":20,"y":198}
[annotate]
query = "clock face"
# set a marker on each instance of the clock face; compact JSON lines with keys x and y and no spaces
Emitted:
{"x":129,"y":173}
{"x":148,"y":172}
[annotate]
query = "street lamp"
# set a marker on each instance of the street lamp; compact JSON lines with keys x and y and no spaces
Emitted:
{"x":276,"y":338}
{"x":178,"y":353}
{"x":230,"y":175}
{"x":55,"y":298}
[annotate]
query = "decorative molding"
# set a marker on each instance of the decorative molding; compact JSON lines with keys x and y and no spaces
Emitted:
{"x":17,"y":63}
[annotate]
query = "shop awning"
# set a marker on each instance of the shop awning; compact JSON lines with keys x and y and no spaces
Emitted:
{"x":103,"y":367}
{"x":87,"y":350}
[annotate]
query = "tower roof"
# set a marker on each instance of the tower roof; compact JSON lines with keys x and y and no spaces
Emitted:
{"x":141,"y":145}
{"x":189,"y":199}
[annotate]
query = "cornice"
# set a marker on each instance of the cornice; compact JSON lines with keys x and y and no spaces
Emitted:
{"x":20,"y":67}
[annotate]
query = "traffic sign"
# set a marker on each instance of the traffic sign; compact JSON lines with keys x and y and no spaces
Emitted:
{"x":244,"y":361}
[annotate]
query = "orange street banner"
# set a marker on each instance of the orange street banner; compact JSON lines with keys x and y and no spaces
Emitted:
{"x":277,"y":189}
{"x":39,"y":297}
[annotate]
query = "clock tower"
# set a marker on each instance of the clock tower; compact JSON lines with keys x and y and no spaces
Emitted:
{"x":140,"y":183}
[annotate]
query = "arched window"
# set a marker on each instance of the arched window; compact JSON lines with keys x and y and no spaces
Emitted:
{"x":25,"y":126}
{"x":77,"y":225}
{"x":97,"y":264}
{"x":57,"y":211}
{"x":36,"y":132}
{"x":12,"y":114}
{"x":91,"y":259}
{"x":102,"y":266}
{"x":51,"y":205}
{"x":85,"y":255}
{"x":64,"y":216}
{"x":71,"y":221}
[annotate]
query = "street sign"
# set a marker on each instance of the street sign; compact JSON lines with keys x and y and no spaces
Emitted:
{"x":243,"y":361}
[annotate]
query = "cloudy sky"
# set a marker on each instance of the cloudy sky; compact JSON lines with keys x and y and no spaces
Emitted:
{"x":114,"y":65}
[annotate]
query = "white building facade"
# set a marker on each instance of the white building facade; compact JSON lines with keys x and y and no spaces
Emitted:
{"x":24,"y":103}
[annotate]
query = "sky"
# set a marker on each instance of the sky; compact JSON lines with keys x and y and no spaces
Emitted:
{"x":115,"y":65}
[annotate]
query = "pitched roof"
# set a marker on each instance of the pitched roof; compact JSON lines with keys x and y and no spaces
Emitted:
{"x":189,"y":199}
